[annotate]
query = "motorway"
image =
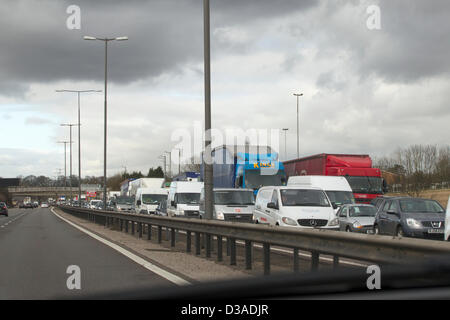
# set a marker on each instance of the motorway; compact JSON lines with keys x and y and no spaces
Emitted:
{"x":37,"y":247}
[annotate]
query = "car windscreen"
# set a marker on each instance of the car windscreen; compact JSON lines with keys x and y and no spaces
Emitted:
{"x":420,"y":205}
{"x":300,"y":197}
{"x":125,"y":200}
{"x":234,"y":198}
{"x":369,"y":185}
{"x":153,"y":198}
{"x":362,"y":211}
{"x":341,"y":197}
{"x":187,"y":198}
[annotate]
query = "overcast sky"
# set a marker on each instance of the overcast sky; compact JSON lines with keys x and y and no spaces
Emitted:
{"x":364,"y":90}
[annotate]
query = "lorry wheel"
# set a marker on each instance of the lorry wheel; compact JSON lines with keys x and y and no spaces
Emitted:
{"x":376,"y":230}
{"x":348,"y":229}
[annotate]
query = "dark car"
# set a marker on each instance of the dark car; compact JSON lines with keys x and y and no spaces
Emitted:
{"x":411,"y":217}
{"x":379,"y":201}
{"x":3,"y":209}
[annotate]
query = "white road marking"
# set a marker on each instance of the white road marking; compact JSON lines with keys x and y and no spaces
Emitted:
{"x":159,"y":271}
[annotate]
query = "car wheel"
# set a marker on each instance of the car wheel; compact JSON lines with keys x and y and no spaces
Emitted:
{"x":348,"y":229}
{"x":400,"y":232}
{"x":376,"y":230}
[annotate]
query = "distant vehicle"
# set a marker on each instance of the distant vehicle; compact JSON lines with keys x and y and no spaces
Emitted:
{"x":337,"y":189}
{"x":93,"y":203}
{"x":230,"y":204}
{"x":44,"y":205}
{"x":151,"y":183}
{"x":295,"y":206}
{"x":378,"y":202}
{"x":411,"y":217}
{"x":35,"y":204}
{"x":161,"y":209}
{"x":124,"y":204}
{"x":3,"y":209}
{"x":99,"y":205}
{"x":356,"y":218}
{"x":365,"y":181}
{"x":447,"y":221}
{"x":184,"y":198}
{"x":246,"y":167}
{"x":147,"y":199}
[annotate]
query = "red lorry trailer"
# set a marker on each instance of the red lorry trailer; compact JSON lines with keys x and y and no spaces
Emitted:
{"x":365,"y":181}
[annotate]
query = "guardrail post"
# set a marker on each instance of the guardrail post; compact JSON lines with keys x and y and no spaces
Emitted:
{"x":219,"y":248}
{"x":232,"y":251}
{"x":140,"y":229}
{"x":314,"y":261}
{"x":126,"y":225}
{"x":121,"y":224}
{"x":197,"y":243}
{"x":248,"y":255}
{"x":188,"y":241}
{"x":208,"y":245}
{"x":266,"y":259}
{"x":172,"y":237}
{"x":159,"y":234}
{"x":296,"y":260}
{"x":228,"y":247}
{"x":149,"y":232}
{"x":132,"y":228}
{"x":335,"y":262}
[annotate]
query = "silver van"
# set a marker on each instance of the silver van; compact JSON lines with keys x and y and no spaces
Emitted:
{"x":230,"y":204}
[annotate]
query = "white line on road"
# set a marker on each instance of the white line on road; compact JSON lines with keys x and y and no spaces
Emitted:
{"x":159,"y":271}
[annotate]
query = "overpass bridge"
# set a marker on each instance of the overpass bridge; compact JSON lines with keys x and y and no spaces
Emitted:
{"x":43,"y":193}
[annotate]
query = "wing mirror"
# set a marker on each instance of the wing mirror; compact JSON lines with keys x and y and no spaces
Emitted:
{"x":392,"y":212}
{"x":271,"y":205}
{"x":335,"y":206}
{"x":138,"y":202}
{"x":172,"y":203}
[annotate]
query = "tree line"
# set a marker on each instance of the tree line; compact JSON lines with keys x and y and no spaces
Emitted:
{"x":416,"y":168}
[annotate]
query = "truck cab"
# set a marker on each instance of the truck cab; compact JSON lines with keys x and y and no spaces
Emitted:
{"x":184,"y":198}
{"x":148,"y":199}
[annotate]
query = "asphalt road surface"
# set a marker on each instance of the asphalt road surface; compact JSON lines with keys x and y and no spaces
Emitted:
{"x":36,"y":249}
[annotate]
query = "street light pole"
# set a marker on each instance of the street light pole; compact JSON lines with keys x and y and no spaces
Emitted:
{"x":179,"y":160}
{"x":79,"y":137}
{"x":208,"y":173}
{"x":105,"y":40}
{"x":170,"y":162}
{"x":70,"y":125}
{"x":298,"y":95}
{"x":65,"y":163}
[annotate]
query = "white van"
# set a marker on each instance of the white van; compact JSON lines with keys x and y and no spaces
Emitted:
{"x":147,"y":199}
{"x":295,"y":206}
{"x":184,"y":198}
{"x":230,"y":204}
{"x":337,"y":189}
{"x":447,"y":222}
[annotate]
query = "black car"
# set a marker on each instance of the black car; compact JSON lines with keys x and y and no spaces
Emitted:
{"x":410,"y":217}
{"x":3,"y":209}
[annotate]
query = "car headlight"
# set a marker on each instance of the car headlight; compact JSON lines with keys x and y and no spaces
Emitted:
{"x":333,"y":222}
{"x":413,"y":223}
{"x":289,"y":221}
{"x":357,"y":225}
{"x":220,"y":216}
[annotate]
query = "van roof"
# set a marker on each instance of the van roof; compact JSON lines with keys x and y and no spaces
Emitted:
{"x":331,"y":183}
{"x":303,"y":187}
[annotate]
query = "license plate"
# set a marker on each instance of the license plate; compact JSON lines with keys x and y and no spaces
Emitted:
{"x":435,"y":230}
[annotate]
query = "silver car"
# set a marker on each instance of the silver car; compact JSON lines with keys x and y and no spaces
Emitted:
{"x":356,"y":218}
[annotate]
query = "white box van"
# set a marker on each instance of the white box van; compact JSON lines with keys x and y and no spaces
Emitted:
{"x":230,"y":204}
{"x":147,"y":199}
{"x":184,"y":198}
{"x":295,"y":206}
{"x":93,"y":203}
{"x":337,"y":189}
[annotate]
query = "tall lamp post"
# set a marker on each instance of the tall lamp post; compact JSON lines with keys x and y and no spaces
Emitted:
{"x":65,"y":162}
{"x":298,"y":95}
{"x":170,"y":162}
{"x":79,"y":138}
{"x":105,"y":40}
{"x":70,"y":125}
{"x":179,"y":160}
